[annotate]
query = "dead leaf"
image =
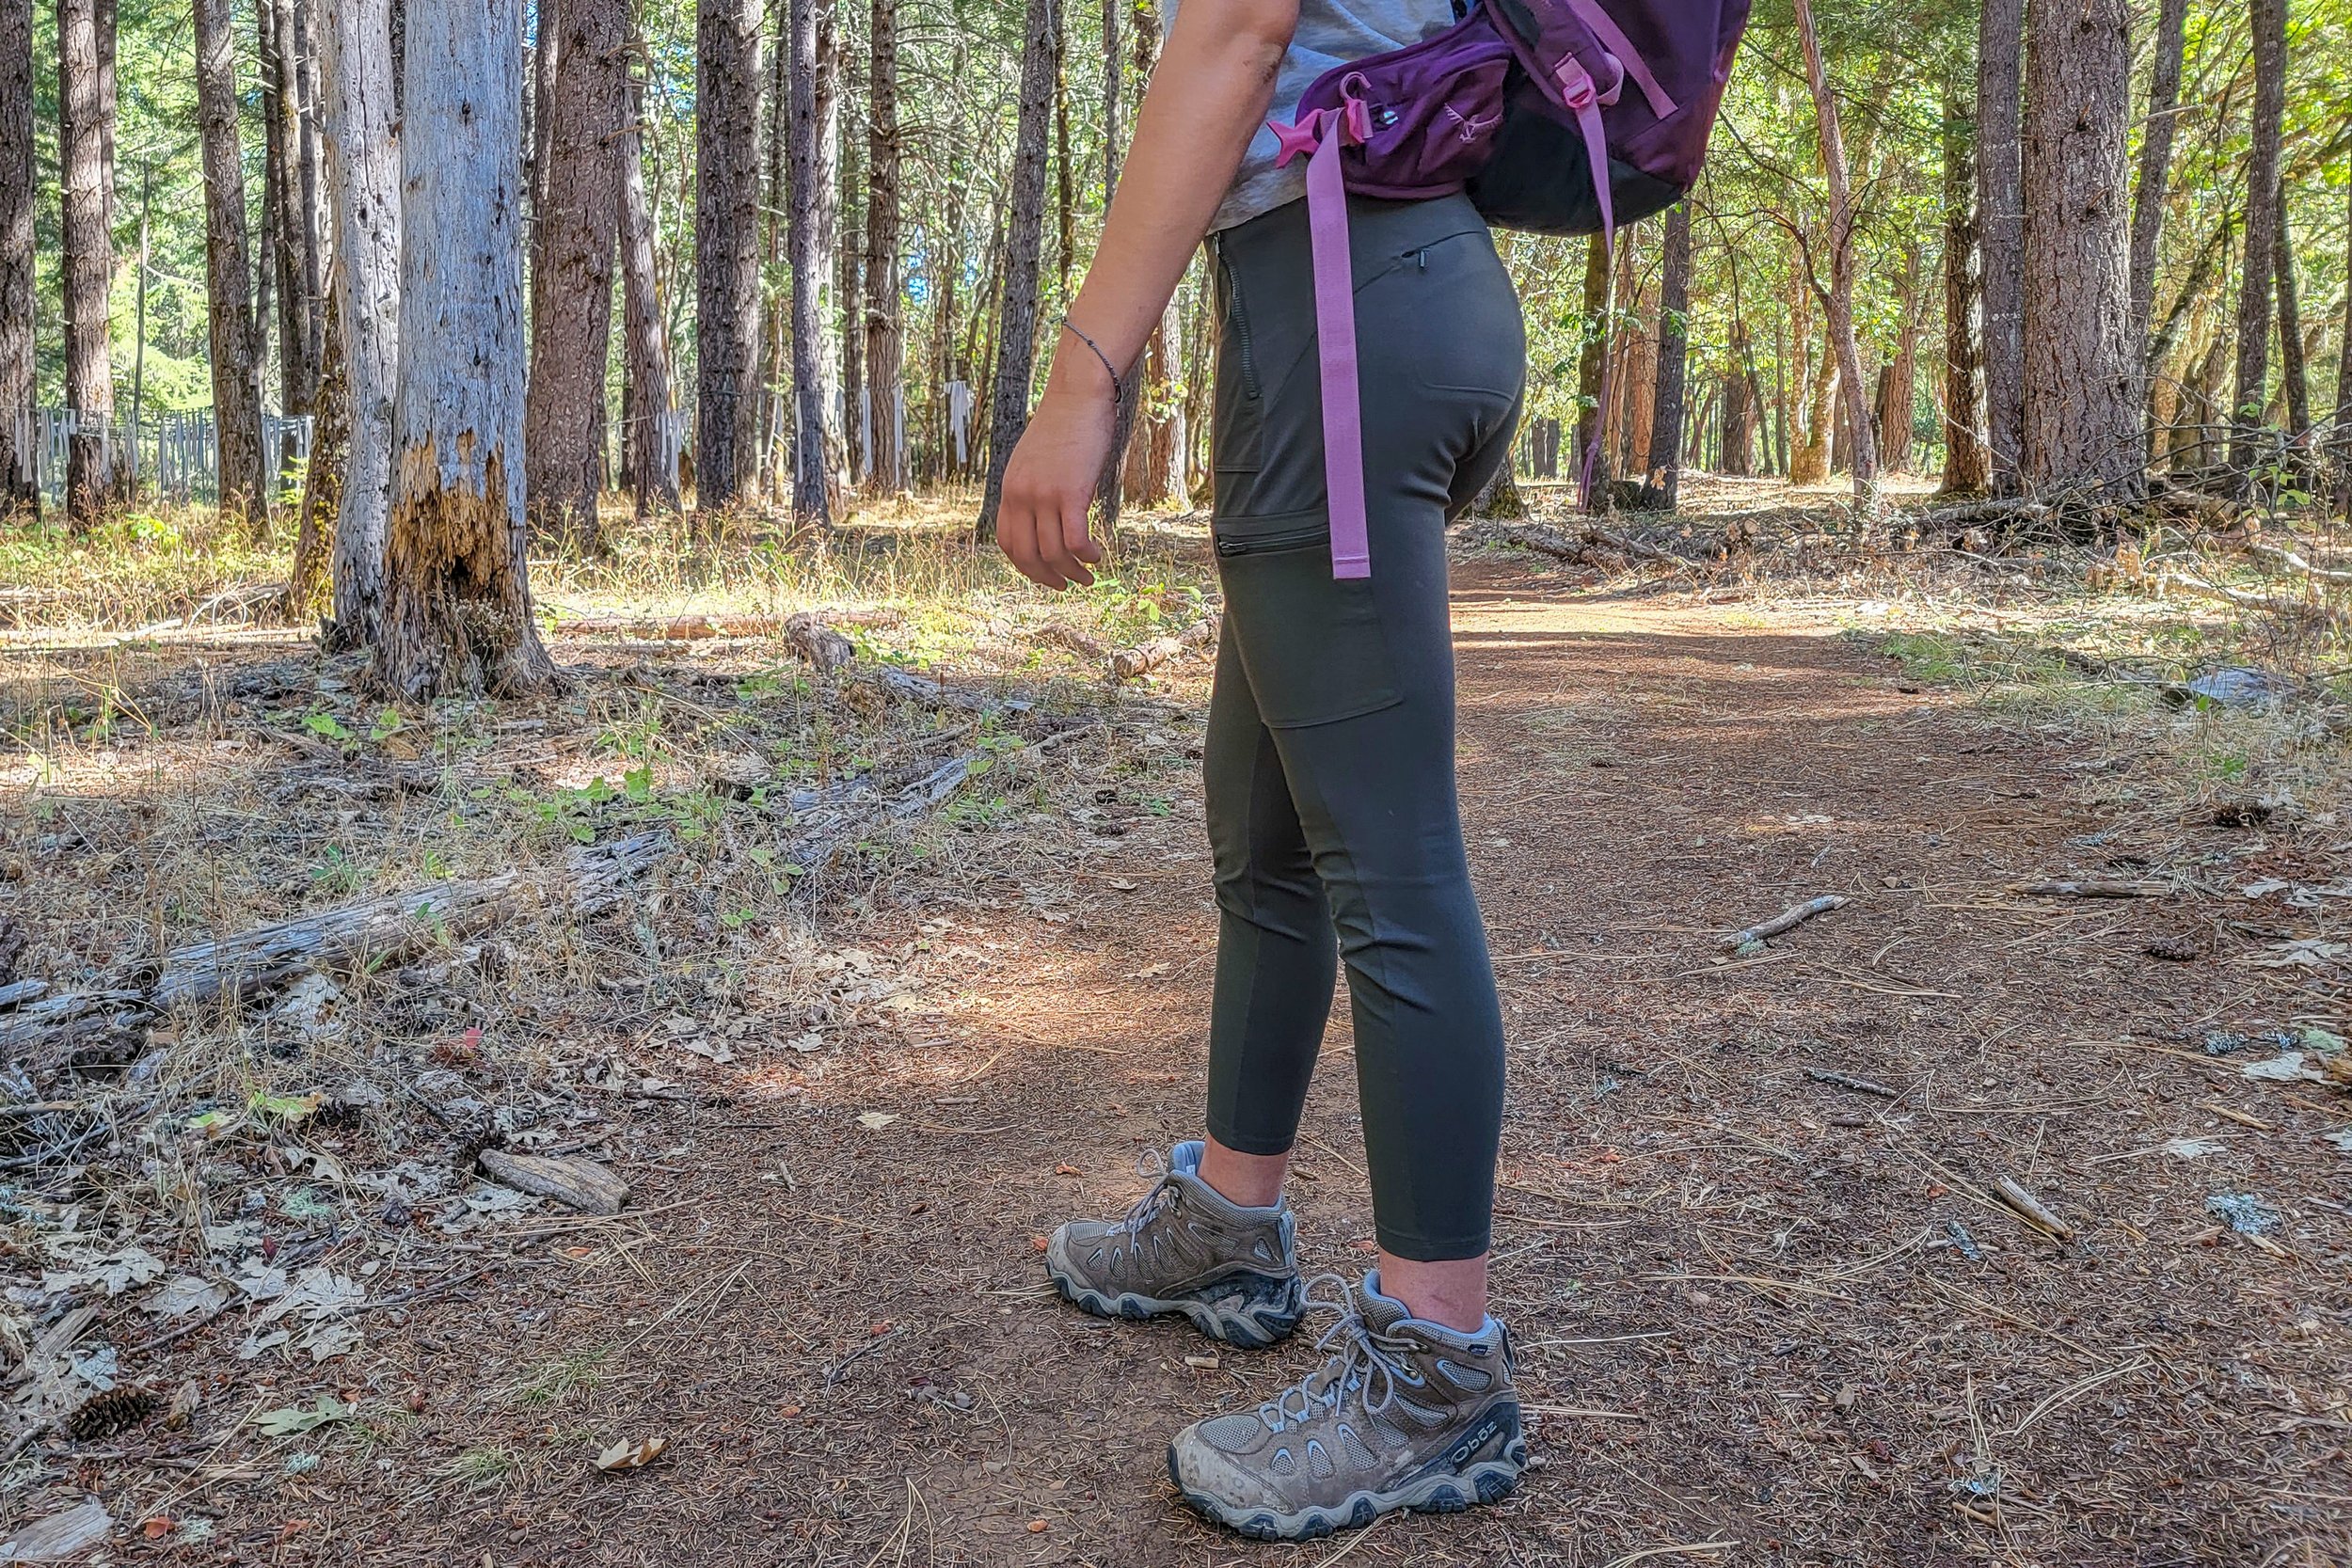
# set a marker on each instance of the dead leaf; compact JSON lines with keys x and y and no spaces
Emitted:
{"x":1065,"y":1170}
{"x":874,"y":1121}
{"x":625,"y":1455}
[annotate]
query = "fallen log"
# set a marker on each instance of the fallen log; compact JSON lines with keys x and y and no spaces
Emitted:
{"x":1786,"y":919}
{"x":2296,"y":563}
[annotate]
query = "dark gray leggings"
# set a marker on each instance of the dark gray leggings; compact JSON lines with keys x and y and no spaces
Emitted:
{"x":1332,"y":802}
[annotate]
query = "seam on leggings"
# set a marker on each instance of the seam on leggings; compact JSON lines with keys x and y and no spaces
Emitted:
{"x":1242,"y":1062}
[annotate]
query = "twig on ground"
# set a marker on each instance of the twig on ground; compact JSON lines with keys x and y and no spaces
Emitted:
{"x":2090,"y":887}
{"x":1845,"y":1080}
{"x":2031,"y":1208}
{"x":1786,"y":919}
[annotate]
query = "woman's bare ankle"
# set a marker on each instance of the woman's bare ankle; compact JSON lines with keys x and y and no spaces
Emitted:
{"x":1252,"y":1181}
{"x":1451,"y":1294}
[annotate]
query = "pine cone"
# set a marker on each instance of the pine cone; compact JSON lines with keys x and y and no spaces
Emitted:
{"x":104,"y":1415}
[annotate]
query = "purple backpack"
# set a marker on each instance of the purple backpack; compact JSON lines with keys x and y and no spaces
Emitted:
{"x":1558,"y":117}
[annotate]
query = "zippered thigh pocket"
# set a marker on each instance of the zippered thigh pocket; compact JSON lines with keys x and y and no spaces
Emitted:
{"x":1311,"y":646}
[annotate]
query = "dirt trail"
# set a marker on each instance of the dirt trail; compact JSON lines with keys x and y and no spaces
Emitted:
{"x":1745,"y":1329}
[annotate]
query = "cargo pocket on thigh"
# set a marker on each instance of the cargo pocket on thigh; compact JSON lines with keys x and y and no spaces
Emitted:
{"x":1311,"y":646}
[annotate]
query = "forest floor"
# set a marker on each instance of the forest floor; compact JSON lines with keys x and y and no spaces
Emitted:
{"x":1770,"y":1304}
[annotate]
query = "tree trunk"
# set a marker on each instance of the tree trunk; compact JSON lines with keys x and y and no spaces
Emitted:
{"x":726,"y":253}
{"x":1591,"y":362}
{"x":571,"y":296}
{"x":850,"y":259}
{"x":1065,"y":175}
{"x":1016,"y":317}
{"x":812,"y":490}
{"x":1663,"y":479}
{"x":1156,"y":406}
{"x":652,"y":414}
{"x":1110,"y":489}
{"x":457,"y":610}
{"x":294,"y":34}
{"x":362,"y":116}
{"x":323,"y":474}
{"x":2294,"y":377}
{"x":885,"y":330}
{"x":547,"y":53}
{"x":18,"y":492}
{"x":2258,"y":280}
{"x":2082,"y":356}
{"x":88,"y":265}
{"x":297,"y":369}
{"x":1861,"y":456}
{"x":2155,"y":161}
{"x":1966,"y":470}
{"x":2000,"y":235}
{"x":1738,"y":415}
{"x":2343,"y":375}
{"x":244,"y":488}
{"x":1898,"y":380}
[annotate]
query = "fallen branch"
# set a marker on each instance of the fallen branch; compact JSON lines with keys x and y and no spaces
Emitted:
{"x":2294,"y":562}
{"x":575,"y":1182}
{"x":1551,"y":542}
{"x":2198,"y":585}
{"x":1845,"y":1080}
{"x":2031,"y":1208}
{"x":387,"y":927}
{"x":1786,"y":919}
{"x":2090,"y":887}
{"x":1128,"y":663}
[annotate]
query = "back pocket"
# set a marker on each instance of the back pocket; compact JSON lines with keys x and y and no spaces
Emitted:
{"x":1311,"y":646}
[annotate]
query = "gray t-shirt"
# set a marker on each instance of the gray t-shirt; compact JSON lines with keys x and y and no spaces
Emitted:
{"x":1330,"y":33}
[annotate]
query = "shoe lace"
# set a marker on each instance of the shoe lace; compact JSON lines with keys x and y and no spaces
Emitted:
{"x":1148,"y":1208}
{"x":1361,"y":1359}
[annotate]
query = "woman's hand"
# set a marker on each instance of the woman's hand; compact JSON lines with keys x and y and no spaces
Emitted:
{"x":1050,"y":481}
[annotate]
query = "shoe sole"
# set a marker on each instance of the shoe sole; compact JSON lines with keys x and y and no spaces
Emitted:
{"x":1249,"y":1325}
{"x":1452,"y":1492}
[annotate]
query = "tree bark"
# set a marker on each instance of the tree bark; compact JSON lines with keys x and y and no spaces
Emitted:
{"x":812,"y":490}
{"x":88,"y":264}
{"x":1898,"y":389}
{"x":546,"y":53}
{"x":1016,"y":318}
{"x":1966,"y":469}
{"x":297,"y":367}
{"x":1154,"y":408}
{"x":2295,"y":378}
{"x":2344,"y":374}
{"x":850,"y":259}
{"x":2082,"y":356}
{"x":1664,"y":478}
{"x":652,"y":414}
{"x":2156,"y":161}
{"x":18,"y":493}
{"x":244,"y":488}
{"x":1861,"y":455}
{"x":2258,"y":277}
{"x":2000,"y":235}
{"x":1110,"y":489}
{"x":362,"y":116}
{"x":726,"y":253}
{"x":1591,"y":362}
{"x":457,"y":611}
{"x":885,"y":330}
{"x":323,"y":475}
{"x":571,"y":296}
{"x":297,"y":43}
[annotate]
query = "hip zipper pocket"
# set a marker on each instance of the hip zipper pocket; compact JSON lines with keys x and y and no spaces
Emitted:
{"x":1294,"y":538}
{"x":1241,"y":325}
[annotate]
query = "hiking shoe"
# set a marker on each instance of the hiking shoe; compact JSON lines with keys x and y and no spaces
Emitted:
{"x":1185,"y":1248}
{"x":1404,"y":1414}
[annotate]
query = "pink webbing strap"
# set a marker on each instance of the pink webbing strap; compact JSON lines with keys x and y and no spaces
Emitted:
{"x":1324,"y":130}
{"x":1612,"y":38}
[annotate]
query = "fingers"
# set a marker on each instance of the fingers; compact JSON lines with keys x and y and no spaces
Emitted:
{"x":1062,"y":541}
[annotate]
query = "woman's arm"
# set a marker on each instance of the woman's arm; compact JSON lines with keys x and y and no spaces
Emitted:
{"x":1208,"y":95}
